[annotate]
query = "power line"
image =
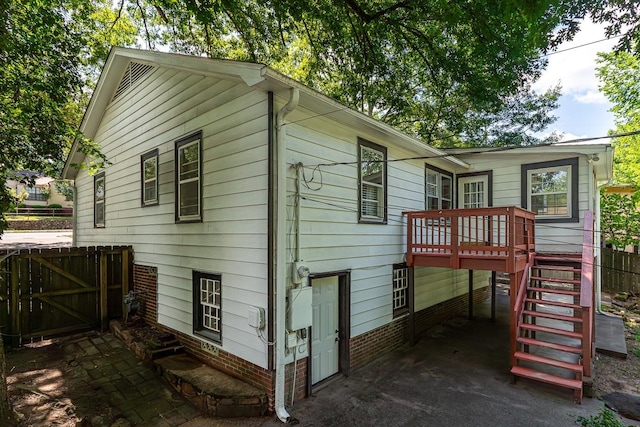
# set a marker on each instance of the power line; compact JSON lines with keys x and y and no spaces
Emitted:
{"x":579,"y":46}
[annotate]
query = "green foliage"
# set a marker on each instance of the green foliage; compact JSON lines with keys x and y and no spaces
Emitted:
{"x":619,"y":74}
{"x":65,"y":189}
{"x":620,"y":219}
{"x":605,"y":418}
{"x":55,"y":206}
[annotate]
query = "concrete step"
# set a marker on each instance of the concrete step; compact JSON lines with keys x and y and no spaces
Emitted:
{"x":215,"y":393}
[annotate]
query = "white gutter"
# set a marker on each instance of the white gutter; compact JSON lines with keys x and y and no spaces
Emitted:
{"x":281,"y":249}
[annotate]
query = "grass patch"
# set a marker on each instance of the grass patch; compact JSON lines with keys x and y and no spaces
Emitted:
{"x":605,"y":418}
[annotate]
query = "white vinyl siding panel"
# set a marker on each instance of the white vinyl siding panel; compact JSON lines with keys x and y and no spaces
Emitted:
{"x":432,"y":285}
{"x":232,"y":239}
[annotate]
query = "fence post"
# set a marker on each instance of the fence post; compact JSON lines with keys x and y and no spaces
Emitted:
{"x":103,"y":290}
{"x":15,"y":302}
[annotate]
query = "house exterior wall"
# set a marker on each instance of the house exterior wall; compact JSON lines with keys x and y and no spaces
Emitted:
{"x":47,"y":185}
{"x":231,"y":240}
{"x":562,"y":236}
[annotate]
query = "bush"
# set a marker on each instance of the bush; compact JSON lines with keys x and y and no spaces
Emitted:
{"x":22,"y":205}
{"x":55,"y":206}
{"x":605,"y":418}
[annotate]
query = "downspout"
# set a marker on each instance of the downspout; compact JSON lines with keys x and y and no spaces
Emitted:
{"x":281,"y":249}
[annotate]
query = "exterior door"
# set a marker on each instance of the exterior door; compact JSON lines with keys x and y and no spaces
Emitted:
{"x":473,"y":193}
{"x":325,"y":349}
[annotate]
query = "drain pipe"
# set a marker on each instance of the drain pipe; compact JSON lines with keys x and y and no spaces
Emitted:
{"x":281,"y":249}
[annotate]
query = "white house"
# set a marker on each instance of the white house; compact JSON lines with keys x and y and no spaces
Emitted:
{"x":270,"y":223}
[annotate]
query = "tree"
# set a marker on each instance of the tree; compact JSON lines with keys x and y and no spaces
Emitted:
{"x":620,"y":220}
{"x":45,"y":59}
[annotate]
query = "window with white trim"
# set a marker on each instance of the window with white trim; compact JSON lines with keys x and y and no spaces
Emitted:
{"x":188,"y":179}
{"x":149,"y":178}
{"x":207,"y":305}
{"x":550,"y":190}
{"x":98,"y":200}
{"x":372,"y":162}
{"x":400,"y":289}
{"x":37,"y":194}
{"x":438,"y":189}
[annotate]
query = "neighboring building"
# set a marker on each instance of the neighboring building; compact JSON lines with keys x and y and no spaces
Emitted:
{"x":258,"y":208}
{"x":42,"y":193}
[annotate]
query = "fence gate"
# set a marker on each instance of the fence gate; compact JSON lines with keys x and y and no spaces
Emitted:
{"x":48,"y":292}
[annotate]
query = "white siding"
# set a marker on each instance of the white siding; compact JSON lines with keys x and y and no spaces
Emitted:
{"x":232,"y":239}
{"x":550,"y":237}
{"x":331,"y":239}
{"x":435,"y":285}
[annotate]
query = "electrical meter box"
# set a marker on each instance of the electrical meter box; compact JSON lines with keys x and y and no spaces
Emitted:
{"x":300,"y":312}
{"x":255,"y":317}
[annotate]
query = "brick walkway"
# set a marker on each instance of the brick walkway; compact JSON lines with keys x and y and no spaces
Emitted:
{"x":98,"y":372}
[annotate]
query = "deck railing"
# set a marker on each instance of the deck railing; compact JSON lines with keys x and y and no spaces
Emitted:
{"x":490,"y":232}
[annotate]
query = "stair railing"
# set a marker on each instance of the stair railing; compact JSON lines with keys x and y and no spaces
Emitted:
{"x":519,"y":306}
{"x":587,"y":294}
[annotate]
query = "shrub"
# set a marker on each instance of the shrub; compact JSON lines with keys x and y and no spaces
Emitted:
{"x":55,"y":206}
{"x":605,"y":418}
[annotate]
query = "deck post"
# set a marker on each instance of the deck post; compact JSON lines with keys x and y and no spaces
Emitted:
{"x":493,"y":296}
{"x":470,"y":294}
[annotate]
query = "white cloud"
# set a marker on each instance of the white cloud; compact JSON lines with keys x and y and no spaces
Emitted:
{"x":575,"y":69}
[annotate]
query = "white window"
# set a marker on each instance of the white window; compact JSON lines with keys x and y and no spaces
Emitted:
{"x":188,"y":176}
{"x":98,"y":200}
{"x":550,"y":190}
{"x":207,"y":313}
{"x":37,"y":194}
{"x":438,"y":189}
{"x":400,"y":289}
{"x":373,"y":182}
{"x":149,"y":178}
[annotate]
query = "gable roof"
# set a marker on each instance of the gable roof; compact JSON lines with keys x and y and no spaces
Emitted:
{"x":259,"y":76}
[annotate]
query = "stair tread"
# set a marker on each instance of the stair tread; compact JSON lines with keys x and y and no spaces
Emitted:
{"x":538,"y":328}
{"x":562,"y":258}
{"x":553,"y":316}
{"x":575,"y":367}
{"x":554,"y":303}
{"x":557,"y":268}
{"x":552,"y":345}
{"x":556,"y":280}
{"x":553,"y":291}
{"x":547,"y":378}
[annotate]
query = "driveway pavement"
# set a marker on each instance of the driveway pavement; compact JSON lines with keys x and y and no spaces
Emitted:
{"x":35,"y":239}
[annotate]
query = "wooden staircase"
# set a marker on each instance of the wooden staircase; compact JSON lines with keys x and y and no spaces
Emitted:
{"x":550,"y":334}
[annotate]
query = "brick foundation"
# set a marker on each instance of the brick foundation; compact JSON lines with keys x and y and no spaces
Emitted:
{"x":145,"y":281}
{"x":373,"y":344}
{"x":431,"y":316}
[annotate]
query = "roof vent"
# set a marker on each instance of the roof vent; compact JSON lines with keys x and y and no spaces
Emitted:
{"x":134,"y":72}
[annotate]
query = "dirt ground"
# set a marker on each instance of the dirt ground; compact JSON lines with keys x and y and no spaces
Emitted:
{"x":616,"y":374}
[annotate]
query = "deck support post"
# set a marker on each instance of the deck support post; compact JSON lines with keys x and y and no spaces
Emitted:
{"x":470,"y":294}
{"x":493,"y":297}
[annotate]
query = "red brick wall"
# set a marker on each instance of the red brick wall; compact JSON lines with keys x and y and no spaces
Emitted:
{"x":435,"y":314}
{"x":301,"y":380}
{"x":145,"y":280}
{"x":369,"y":346}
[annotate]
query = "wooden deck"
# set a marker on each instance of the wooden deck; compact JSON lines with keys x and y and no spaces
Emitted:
{"x":496,"y":239}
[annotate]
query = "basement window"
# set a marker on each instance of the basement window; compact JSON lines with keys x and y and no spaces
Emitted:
{"x":207,"y":306}
{"x":400,"y":289}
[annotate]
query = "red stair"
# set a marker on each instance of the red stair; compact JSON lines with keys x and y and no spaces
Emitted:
{"x":549,"y":333}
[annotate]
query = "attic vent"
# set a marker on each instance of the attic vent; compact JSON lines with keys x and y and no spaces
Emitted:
{"x":134,"y":72}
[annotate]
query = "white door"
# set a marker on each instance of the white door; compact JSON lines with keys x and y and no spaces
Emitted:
{"x":473,"y":192}
{"x":324,"y":346}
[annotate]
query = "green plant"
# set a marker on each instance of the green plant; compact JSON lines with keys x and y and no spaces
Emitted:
{"x":605,"y":418}
{"x":636,"y":352}
{"x":55,"y":206}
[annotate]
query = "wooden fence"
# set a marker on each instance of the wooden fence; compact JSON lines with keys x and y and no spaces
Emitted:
{"x":620,"y":271}
{"x":49,"y":292}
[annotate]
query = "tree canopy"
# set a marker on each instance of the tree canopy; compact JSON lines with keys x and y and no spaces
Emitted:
{"x":451,"y":73}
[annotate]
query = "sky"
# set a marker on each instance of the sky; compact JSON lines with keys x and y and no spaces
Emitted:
{"x":583,"y":109}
